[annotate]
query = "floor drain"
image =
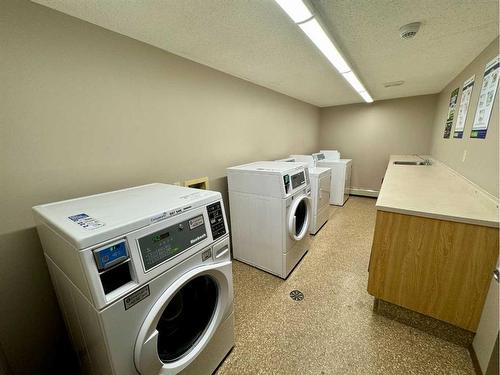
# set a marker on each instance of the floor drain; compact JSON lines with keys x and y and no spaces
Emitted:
{"x":296,"y":295}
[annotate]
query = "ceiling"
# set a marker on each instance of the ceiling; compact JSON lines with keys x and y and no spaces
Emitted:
{"x":255,"y":40}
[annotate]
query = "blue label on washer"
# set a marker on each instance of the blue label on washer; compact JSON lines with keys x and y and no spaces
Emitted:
{"x":78,"y":217}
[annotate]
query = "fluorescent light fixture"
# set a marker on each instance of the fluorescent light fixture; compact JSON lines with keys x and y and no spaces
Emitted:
{"x":296,"y":9}
{"x":302,"y":16}
{"x":318,"y":36}
{"x":354,"y":81}
{"x":367,"y":98}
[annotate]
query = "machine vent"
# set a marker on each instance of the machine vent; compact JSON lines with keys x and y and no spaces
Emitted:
{"x":393,"y":84}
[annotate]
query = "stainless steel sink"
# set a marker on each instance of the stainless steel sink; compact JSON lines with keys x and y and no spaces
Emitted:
{"x":405,"y":162}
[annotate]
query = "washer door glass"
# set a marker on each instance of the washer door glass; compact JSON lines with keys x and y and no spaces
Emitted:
{"x":300,"y":217}
{"x":186,"y":317}
{"x":298,"y":221}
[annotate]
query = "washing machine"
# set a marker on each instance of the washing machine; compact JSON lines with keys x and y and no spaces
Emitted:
{"x":143,"y":278}
{"x":270,"y":213}
{"x":341,"y":174}
{"x":320,"y":191}
{"x":306,"y":165}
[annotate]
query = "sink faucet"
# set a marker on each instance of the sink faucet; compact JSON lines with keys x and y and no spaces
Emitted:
{"x":425,"y":161}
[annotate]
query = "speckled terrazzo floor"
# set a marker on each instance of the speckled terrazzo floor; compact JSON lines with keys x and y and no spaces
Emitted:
{"x":333,"y":330}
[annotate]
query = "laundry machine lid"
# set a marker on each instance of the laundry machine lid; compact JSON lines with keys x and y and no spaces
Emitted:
{"x":305,"y":159}
{"x":266,"y":167}
{"x":89,"y":220}
{"x":331,"y":154}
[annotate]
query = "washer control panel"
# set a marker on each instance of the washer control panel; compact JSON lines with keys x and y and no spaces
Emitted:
{"x":166,"y":243}
{"x":319,"y":156}
{"x":216,"y":218}
{"x":286,"y":182}
{"x":298,"y":180}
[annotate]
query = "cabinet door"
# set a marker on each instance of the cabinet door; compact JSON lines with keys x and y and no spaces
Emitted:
{"x":418,"y":263}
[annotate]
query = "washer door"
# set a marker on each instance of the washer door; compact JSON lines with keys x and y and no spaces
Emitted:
{"x":183,"y":320}
{"x":299,"y":216}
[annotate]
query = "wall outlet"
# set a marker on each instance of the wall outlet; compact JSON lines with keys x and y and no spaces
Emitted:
{"x":464,"y":156}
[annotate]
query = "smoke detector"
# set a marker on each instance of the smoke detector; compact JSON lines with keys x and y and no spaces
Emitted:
{"x":409,"y":31}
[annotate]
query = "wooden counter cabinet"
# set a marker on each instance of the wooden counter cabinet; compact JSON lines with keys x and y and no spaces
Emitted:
{"x":435,"y":267}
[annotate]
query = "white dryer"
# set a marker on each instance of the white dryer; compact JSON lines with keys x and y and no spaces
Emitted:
{"x":270,"y":214}
{"x":143,"y":278}
{"x":320,"y":191}
{"x":341,"y":174}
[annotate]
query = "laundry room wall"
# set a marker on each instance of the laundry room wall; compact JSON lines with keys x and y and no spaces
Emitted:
{"x":370,"y":133}
{"x":85,"y":110}
{"x":481,"y":162}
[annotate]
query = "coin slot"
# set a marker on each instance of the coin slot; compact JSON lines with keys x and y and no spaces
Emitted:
{"x":115,"y":277}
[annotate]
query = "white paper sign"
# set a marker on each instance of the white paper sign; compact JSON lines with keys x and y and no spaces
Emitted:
{"x":486,"y":99}
{"x":464,"y":107}
{"x":86,"y":222}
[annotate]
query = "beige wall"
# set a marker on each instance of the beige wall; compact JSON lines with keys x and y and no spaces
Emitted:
{"x":85,"y":110}
{"x":369,"y":133}
{"x":481,"y":163}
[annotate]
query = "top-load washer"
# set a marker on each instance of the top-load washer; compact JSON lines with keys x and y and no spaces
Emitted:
{"x":270,"y":214}
{"x":143,"y":278}
{"x":320,"y":191}
{"x":341,"y":174}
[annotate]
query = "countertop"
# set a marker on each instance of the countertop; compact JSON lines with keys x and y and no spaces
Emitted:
{"x":435,"y":191}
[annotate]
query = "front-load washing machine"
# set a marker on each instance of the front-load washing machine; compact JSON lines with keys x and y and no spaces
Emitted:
{"x":320,"y":191}
{"x":270,"y":214}
{"x":341,"y":174}
{"x":143,"y":278}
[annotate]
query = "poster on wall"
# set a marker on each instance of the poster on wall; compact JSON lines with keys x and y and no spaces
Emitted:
{"x":486,"y":99}
{"x":463,"y":108}
{"x":451,"y":113}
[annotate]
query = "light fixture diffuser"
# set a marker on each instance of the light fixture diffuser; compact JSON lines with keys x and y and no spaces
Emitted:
{"x":366,"y":97}
{"x":302,"y":16}
{"x":296,"y":9}
{"x":318,"y":36}
{"x":354,"y":81}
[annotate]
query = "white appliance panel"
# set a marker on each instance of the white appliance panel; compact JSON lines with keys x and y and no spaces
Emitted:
{"x":340,"y":179}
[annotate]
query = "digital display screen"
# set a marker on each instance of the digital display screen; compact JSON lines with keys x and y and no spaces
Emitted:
{"x":298,"y":179}
{"x":160,"y":237}
{"x":168,"y":242}
{"x":110,"y":255}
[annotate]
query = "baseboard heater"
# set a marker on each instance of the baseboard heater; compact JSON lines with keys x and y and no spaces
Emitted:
{"x":364,"y":192}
